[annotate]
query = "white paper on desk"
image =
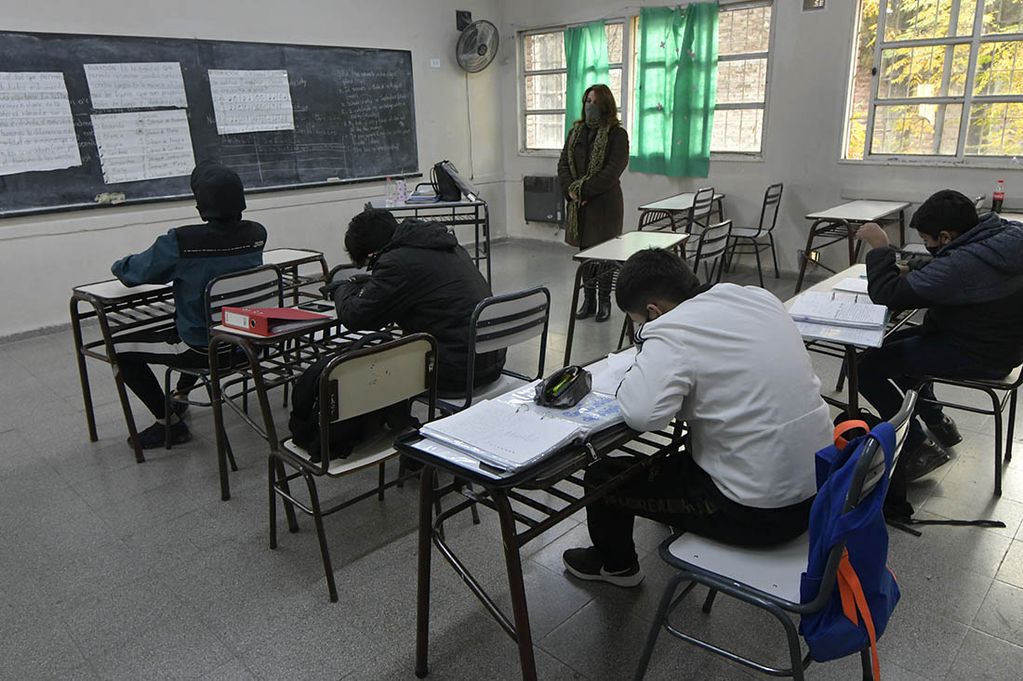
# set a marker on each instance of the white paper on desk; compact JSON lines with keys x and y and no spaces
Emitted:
{"x":501,"y":434}
{"x":251,"y":101}
{"x":136,"y":85}
{"x":836,"y":309}
{"x":852,"y":285}
{"x":143,"y":145}
{"x":608,"y":375}
{"x":593,"y":413}
{"x":37,"y":131}
{"x":848,"y":335}
{"x":457,"y":457}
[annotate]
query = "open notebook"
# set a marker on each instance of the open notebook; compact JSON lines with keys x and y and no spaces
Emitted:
{"x":840,"y":317}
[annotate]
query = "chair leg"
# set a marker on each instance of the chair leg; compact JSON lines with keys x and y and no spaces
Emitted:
{"x":840,"y":385}
{"x":1011,"y":428}
{"x":380,"y":482}
{"x":709,"y":602}
{"x":997,"y":409}
{"x":660,"y":619}
{"x":475,"y":512}
{"x":867,"y":665}
{"x":271,"y":476}
{"x":227,"y":440}
{"x":774,"y":257}
{"x":167,"y":407}
{"x":792,"y":636}
{"x":760,"y":268}
{"x":328,"y":569}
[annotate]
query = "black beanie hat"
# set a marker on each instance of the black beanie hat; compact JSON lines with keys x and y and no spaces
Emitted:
{"x":218,"y":192}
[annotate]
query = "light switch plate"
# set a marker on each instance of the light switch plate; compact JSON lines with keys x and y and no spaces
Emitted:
{"x":435,"y":63}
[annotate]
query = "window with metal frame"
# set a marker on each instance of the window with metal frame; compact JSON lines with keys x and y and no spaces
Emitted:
{"x":936,"y":78}
{"x":744,"y":38}
{"x":543,"y":83}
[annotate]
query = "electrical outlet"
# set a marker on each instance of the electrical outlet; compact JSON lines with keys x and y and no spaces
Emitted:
{"x":435,"y":63}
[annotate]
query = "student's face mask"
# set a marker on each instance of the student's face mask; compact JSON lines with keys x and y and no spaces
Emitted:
{"x":592,"y":112}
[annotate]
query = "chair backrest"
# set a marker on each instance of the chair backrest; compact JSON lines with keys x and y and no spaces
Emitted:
{"x":508,"y":319}
{"x":978,"y":202}
{"x":656,"y":221}
{"x":867,"y":476}
{"x":258,"y":287}
{"x":358,"y":382}
{"x":702,"y":202}
{"x":769,"y":209}
{"x":711,"y":244}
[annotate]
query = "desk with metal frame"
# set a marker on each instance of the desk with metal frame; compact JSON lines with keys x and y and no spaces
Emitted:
{"x":848,"y":353}
{"x":613,"y":253}
{"x":467,"y":212}
{"x":680,"y":203}
{"x":120,"y":309}
{"x":537,"y":497}
{"x":290,"y":261}
{"x":840,"y":224}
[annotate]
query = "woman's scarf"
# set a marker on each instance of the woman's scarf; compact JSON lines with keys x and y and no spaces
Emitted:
{"x":597,"y":156}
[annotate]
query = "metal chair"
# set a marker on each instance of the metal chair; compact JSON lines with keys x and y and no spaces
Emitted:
{"x":657,"y":221}
{"x":710,"y":247}
{"x":499,"y":322}
{"x":354,"y":384}
{"x":765,"y":578}
{"x":751,"y":237}
{"x":1008,"y":387}
{"x":257,"y":287}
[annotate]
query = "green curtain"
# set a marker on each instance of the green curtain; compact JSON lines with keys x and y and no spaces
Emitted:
{"x":586,"y":61}
{"x":676,"y":86}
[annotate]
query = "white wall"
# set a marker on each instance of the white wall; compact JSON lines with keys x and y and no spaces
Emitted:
{"x":43,"y":257}
{"x":808,"y":81}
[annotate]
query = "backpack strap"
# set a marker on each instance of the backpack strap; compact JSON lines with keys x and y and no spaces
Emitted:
{"x":854,"y":606}
{"x":844,"y":427}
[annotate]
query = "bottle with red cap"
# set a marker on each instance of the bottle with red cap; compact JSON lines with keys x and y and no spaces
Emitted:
{"x":998,"y":196}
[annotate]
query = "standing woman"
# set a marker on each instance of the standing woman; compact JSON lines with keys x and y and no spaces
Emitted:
{"x":593,"y":159}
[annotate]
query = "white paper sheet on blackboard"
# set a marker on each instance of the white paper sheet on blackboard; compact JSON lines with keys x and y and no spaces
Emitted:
{"x":136,"y":85}
{"x":143,"y":145}
{"x":36,"y":128}
{"x":251,"y":101}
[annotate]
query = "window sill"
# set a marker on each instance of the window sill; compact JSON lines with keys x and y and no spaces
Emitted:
{"x":736,"y":157}
{"x":928,"y":162}
{"x":541,"y":153}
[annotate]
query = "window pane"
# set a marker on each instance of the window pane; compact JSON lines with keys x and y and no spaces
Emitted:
{"x":995,"y":129}
{"x":744,"y":30}
{"x":614,"y":34}
{"x":742,"y":81}
{"x":967,"y":11}
{"x":544,"y":51}
{"x":999,"y":69}
{"x":916,"y":19}
{"x":615,"y":76}
{"x":737,"y":130}
{"x":913,"y":128}
{"x":545,"y":92}
{"x":545,"y":131}
{"x":859,"y":88}
{"x":1003,"y":16}
{"x":917,"y":71}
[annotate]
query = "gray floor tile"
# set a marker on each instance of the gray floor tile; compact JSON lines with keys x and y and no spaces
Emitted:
{"x":1001,"y":615}
{"x":986,"y":658}
{"x":1011,"y":571}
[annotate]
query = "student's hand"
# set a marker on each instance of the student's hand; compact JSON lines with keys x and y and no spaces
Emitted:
{"x":873,"y":235}
{"x":572,"y":195}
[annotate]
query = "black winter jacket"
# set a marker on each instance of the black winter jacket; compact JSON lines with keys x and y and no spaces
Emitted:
{"x":425,"y":282}
{"x":972,"y":289}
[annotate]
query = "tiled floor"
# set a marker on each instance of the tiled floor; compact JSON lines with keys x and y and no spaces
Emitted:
{"x":109,"y":569}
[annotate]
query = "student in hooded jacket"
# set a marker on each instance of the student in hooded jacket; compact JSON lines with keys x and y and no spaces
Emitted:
{"x":189,"y":258}
{"x":423,"y":281}
{"x":972,"y":289}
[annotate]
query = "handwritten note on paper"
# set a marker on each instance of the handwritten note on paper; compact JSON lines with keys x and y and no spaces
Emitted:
{"x":136,"y":85}
{"x":36,"y":128}
{"x":251,"y":101}
{"x":143,"y":146}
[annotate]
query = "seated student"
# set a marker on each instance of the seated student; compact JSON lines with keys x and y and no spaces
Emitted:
{"x":423,"y":281}
{"x":729,"y":361}
{"x":973,"y":292}
{"x":189,"y":257}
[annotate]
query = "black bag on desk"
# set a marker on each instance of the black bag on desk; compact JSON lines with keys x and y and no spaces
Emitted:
{"x":443,"y":184}
{"x":304,"y":423}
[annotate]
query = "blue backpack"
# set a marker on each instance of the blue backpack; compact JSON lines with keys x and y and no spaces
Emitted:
{"x":859,"y":608}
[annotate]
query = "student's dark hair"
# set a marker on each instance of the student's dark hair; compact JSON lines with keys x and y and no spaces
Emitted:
{"x":605,"y":100}
{"x":947,"y":210}
{"x":368,"y":232}
{"x":654,"y":275}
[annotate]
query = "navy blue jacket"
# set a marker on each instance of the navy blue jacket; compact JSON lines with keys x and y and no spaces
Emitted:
{"x":972,"y":289}
{"x":190,"y":257}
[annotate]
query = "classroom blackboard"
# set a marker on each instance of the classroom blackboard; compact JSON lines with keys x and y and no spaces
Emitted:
{"x":353,"y":116}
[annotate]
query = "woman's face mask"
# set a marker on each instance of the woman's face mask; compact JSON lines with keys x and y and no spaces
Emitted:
{"x":592,"y":112}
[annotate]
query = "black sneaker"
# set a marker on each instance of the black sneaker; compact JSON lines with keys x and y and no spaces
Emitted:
{"x":928,"y":457}
{"x":155,"y":435}
{"x":587,"y":564}
{"x":945,"y":432}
